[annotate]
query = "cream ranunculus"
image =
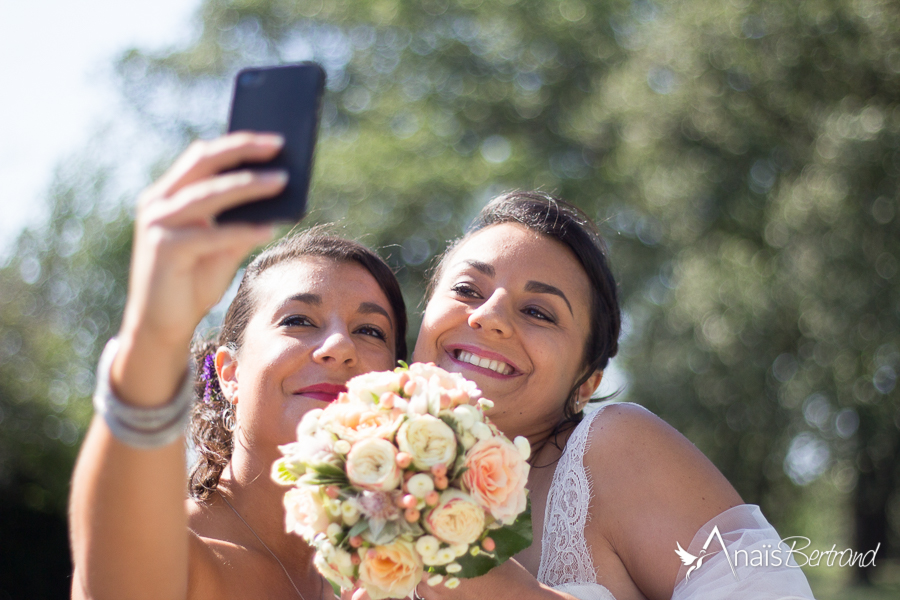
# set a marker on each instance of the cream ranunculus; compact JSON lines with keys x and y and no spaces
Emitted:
{"x":496,"y":475}
{"x":390,"y":571}
{"x":353,"y":421}
{"x":305,"y":513}
{"x":428,"y":440}
{"x":372,"y":465}
{"x":456,"y":519}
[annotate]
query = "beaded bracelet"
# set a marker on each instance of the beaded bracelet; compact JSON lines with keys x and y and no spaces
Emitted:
{"x":141,"y":427}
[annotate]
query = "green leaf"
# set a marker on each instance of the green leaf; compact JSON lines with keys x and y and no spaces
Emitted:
{"x":512,"y":539}
{"x":357,"y":529}
{"x":475,"y":566}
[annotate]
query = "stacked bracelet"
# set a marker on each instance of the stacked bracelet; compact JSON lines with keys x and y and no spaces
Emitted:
{"x":141,"y":427}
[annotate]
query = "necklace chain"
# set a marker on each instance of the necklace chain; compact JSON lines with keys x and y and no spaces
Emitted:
{"x":256,"y":535}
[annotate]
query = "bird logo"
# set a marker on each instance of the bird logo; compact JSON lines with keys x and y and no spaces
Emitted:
{"x":688,"y":559}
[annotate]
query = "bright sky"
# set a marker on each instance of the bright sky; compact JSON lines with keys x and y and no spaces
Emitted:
{"x":55,"y":84}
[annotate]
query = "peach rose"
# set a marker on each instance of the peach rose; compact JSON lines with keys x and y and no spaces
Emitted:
{"x":372,"y":465}
{"x":496,"y":475}
{"x":305,"y":513}
{"x":390,"y":571}
{"x":353,"y":421}
{"x":456,"y":519}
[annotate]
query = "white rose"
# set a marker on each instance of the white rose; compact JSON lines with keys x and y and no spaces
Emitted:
{"x":334,"y":563}
{"x":456,"y":519}
{"x":310,"y":451}
{"x":428,"y":440}
{"x":372,"y":465}
{"x":370,"y":386}
{"x":305,"y":513}
{"x":467,"y":415}
{"x":309,"y":422}
{"x":481,"y":431}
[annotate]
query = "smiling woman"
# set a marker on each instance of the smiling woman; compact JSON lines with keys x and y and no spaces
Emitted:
{"x":283,"y":306}
{"x":525,"y":306}
{"x":312,"y":311}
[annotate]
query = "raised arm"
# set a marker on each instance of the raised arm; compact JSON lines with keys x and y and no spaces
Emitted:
{"x":128,"y":522}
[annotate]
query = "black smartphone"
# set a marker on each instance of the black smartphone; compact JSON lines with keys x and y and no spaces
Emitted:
{"x":284,"y":99}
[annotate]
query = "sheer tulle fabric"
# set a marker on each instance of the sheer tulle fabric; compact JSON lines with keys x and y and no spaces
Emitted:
{"x":743,"y":528}
{"x":566,"y":563}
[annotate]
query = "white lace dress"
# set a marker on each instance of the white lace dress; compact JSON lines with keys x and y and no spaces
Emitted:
{"x":567,"y":566}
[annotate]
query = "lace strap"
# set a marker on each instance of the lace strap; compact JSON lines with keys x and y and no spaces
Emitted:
{"x":565,"y":556}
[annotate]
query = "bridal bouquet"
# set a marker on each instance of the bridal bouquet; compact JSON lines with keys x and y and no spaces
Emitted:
{"x":403,"y":478}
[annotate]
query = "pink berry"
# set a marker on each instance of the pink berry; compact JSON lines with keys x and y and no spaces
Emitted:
{"x":488,"y":544}
{"x":332,"y":491}
{"x":403,"y":459}
{"x":439,"y":470}
{"x":441,"y":483}
{"x":354,"y":559}
{"x":412,"y":515}
{"x":432,"y":498}
{"x":386,"y":400}
{"x":356,"y":541}
{"x":403,"y":380}
{"x":409,"y":501}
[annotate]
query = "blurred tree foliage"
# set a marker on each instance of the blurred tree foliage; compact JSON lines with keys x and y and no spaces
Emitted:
{"x":62,"y":292}
{"x":742,"y":156}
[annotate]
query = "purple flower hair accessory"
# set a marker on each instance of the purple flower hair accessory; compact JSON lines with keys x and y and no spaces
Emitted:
{"x":210,"y":379}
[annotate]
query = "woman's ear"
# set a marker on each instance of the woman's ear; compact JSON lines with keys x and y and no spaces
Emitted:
{"x":587,"y":389}
{"x":227,"y":370}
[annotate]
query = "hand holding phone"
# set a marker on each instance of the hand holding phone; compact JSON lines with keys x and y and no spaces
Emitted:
{"x":283,"y":99}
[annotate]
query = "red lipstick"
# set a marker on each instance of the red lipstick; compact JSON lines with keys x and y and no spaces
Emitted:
{"x":323,"y":392}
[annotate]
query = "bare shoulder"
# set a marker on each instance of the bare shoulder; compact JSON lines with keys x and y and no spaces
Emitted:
{"x":634,"y":452}
{"x":204,"y":575}
{"x":652,"y":488}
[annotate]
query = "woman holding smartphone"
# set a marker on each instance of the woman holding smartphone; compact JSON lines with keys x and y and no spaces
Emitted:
{"x":312,"y":311}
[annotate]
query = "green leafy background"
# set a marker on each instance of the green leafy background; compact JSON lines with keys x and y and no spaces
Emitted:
{"x":742,"y":157}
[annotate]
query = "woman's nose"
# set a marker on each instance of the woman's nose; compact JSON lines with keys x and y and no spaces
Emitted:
{"x":337,"y":348}
{"x":492,"y":315}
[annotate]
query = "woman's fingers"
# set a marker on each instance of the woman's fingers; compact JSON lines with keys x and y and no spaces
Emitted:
{"x":205,"y":158}
{"x":202,"y":200}
{"x":233,"y":240}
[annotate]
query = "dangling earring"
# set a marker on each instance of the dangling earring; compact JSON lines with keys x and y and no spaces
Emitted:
{"x":229,"y":419}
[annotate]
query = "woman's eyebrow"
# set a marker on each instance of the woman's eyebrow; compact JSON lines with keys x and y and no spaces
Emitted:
{"x":370,"y":308}
{"x":481,"y":267}
{"x":545,"y":288}
{"x":306,"y":298}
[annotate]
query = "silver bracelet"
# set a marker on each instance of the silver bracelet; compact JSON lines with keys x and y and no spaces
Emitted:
{"x":141,"y":427}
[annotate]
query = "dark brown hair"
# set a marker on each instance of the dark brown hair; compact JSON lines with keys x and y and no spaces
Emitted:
{"x":567,"y":224}
{"x":213,"y":441}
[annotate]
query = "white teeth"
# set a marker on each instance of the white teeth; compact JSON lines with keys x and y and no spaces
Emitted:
{"x":485,"y":363}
